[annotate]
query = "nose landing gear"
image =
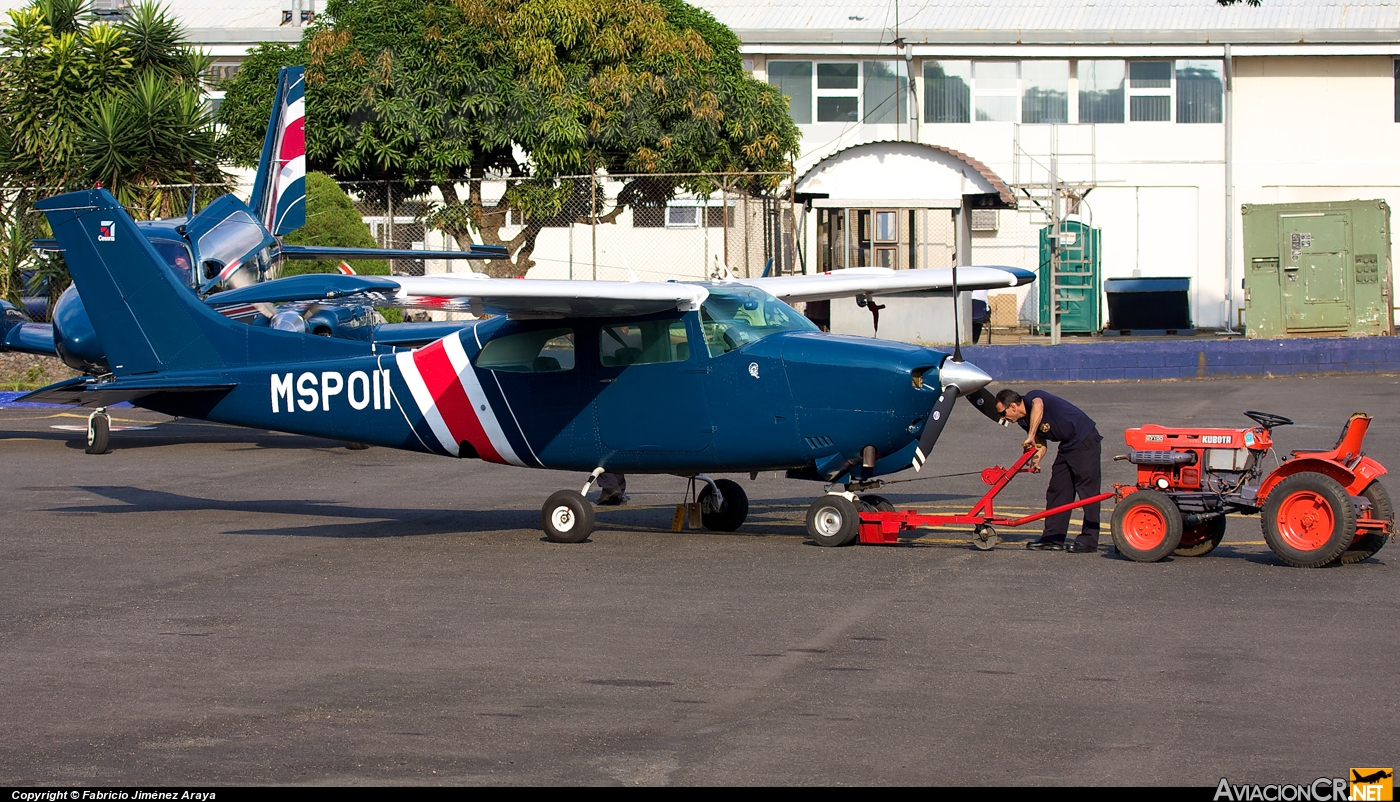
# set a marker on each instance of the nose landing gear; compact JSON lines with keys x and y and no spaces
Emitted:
{"x":99,"y":432}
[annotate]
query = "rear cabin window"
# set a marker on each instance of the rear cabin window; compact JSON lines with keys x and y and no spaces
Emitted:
{"x":545,"y":351}
{"x":648,"y":343}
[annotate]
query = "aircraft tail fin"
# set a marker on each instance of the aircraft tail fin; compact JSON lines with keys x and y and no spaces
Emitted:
{"x":146,"y":320}
{"x":279,"y":191}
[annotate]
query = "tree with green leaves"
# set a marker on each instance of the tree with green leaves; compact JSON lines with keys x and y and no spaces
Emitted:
{"x":437,"y":92}
{"x":331,"y":220}
{"x":84,"y":101}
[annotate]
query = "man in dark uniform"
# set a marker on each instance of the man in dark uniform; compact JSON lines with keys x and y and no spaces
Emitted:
{"x":1076,"y":470}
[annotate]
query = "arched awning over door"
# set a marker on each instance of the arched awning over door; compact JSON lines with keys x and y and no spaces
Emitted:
{"x":905,"y":175}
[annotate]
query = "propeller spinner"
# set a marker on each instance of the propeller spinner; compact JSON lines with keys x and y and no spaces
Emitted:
{"x":958,"y":379}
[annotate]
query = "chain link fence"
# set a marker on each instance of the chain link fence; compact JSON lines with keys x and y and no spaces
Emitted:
{"x":612,"y":228}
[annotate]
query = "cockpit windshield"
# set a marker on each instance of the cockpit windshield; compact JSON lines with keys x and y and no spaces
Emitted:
{"x":231,"y":239}
{"x":734,"y":316}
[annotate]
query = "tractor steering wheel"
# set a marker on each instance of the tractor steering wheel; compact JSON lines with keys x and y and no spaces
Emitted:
{"x":1267,"y":420}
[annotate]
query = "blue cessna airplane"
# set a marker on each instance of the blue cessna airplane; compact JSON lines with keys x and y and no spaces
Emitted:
{"x":638,"y":377}
{"x":234,"y":244}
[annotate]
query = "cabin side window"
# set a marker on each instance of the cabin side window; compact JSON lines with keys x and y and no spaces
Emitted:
{"x":644,"y":343}
{"x":544,"y":351}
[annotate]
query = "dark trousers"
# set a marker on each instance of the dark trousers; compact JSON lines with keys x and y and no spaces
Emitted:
{"x":1076,"y":472}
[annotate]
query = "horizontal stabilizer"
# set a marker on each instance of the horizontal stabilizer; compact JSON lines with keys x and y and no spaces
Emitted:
{"x":85,"y":392}
{"x":307,"y":287}
{"x":30,"y":338}
{"x":483,"y":252}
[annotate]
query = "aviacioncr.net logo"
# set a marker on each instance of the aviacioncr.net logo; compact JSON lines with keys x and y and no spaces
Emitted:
{"x":1323,"y":789}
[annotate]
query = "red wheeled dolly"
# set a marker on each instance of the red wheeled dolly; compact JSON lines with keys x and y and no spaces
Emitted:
{"x":885,"y":527}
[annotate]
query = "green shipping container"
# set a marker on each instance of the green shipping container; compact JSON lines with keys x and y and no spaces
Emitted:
{"x":1079,"y":289}
{"x":1317,"y":269}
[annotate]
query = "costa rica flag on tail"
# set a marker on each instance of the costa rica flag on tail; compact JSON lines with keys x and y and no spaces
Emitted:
{"x":279,"y":191}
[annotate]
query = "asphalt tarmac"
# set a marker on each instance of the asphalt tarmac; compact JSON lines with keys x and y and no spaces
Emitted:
{"x":211,"y":605}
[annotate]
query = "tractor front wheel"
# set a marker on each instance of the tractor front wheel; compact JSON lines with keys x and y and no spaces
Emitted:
{"x":1146,"y":526}
{"x":1308,"y":520}
{"x":1201,"y":539}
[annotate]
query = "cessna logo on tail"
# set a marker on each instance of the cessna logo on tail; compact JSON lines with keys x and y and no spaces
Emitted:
{"x":107,"y":231}
{"x":313,"y":390}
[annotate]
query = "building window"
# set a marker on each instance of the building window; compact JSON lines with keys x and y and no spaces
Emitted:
{"x":1101,"y":91}
{"x":1199,"y":92}
{"x":1045,"y":91}
{"x":838,"y":98}
{"x":994,"y":91}
{"x":794,"y":79}
{"x":648,"y":216}
{"x":682,"y":217}
{"x":1150,"y":91}
{"x":886,"y":92}
{"x":948,"y":91}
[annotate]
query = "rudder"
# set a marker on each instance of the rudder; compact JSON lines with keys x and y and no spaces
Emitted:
{"x":146,"y":319}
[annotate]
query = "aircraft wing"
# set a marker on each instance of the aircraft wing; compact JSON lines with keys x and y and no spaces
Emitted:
{"x":855,"y":281}
{"x":484,"y":252}
{"x":478,"y":294}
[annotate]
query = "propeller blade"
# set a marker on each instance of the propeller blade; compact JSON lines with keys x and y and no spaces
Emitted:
{"x":933,"y":427}
{"x":986,"y":403}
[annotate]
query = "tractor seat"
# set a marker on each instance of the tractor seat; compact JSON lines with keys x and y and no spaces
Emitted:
{"x":1348,"y":442}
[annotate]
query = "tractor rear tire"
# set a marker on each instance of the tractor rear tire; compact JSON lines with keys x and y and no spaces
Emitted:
{"x":732,"y":514}
{"x":1368,"y":544}
{"x":567,"y":517}
{"x":1308,"y":520}
{"x":833,"y":520}
{"x":1146,"y":526}
{"x":1201,"y":539}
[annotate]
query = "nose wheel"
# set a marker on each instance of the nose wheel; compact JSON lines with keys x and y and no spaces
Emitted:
{"x":99,"y":432}
{"x":567,"y":517}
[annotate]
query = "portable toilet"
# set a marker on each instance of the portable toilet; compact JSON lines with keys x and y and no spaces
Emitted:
{"x":1078,"y":282}
{"x":1317,"y":269}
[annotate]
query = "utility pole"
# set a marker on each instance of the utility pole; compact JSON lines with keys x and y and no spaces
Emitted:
{"x":1054,"y":244}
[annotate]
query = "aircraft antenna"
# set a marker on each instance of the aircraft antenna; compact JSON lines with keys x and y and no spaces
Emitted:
{"x":957,"y":329}
{"x":192,"y":191}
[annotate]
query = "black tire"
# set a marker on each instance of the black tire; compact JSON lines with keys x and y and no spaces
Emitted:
{"x":354,"y":446}
{"x":877,"y":503}
{"x":1146,"y":526}
{"x":99,"y":434}
{"x":1201,"y":539}
{"x":567,"y":517}
{"x":1364,"y":547}
{"x":833,"y":521}
{"x":1308,"y":520}
{"x":732,"y":514}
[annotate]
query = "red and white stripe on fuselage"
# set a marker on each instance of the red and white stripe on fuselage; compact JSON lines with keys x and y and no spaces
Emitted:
{"x":445,"y":388}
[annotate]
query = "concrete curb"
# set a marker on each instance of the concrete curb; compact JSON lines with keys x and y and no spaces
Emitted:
{"x":1186,"y":359}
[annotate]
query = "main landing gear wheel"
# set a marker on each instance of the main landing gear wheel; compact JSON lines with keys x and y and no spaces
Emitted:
{"x":833,"y":521}
{"x":1201,"y":539}
{"x":567,"y":517}
{"x":984,"y":537}
{"x":99,"y":433}
{"x":1146,"y":526}
{"x":877,"y":503}
{"x":1369,"y":543}
{"x":1308,"y":520}
{"x":735,"y":508}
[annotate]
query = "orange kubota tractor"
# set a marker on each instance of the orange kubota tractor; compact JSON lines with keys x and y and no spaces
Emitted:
{"x":1317,"y":507}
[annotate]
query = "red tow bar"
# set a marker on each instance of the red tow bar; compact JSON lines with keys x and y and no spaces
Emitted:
{"x":884,"y":527}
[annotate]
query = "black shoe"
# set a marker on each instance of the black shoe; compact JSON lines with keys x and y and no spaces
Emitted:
{"x":612,"y":500}
{"x":1045,"y":545}
{"x":1080,"y":548}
